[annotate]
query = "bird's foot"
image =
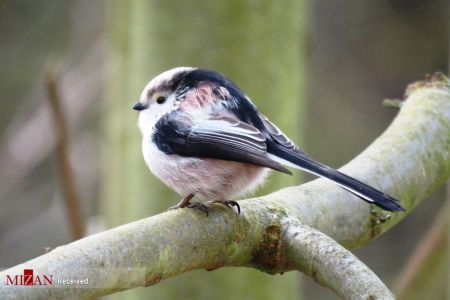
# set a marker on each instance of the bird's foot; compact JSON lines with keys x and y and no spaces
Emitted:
{"x":184,"y":202}
{"x":194,"y":205}
{"x":230,"y":204}
{"x":200,"y":206}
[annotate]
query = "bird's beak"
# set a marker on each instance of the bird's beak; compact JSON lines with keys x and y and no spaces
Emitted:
{"x":139,"y":106}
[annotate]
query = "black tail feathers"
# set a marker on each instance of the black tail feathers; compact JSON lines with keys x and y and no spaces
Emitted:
{"x":356,"y":187}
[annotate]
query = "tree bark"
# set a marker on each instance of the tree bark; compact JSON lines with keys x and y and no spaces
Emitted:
{"x":409,"y":160}
{"x":330,"y":264}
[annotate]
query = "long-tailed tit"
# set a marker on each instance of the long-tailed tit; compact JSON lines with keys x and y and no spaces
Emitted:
{"x":203,"y":137}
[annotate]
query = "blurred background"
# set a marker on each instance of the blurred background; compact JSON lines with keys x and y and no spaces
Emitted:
{"x":319,"y":69}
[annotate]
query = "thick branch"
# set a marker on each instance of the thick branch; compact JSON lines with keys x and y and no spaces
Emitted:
{"x":312,"y":252}
{"x":410,"y":160}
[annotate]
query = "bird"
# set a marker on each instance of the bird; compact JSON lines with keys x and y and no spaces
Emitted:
{"x":204,"y":138}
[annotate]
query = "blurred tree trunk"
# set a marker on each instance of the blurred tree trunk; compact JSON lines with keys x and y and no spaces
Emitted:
{"x":259,"y":45}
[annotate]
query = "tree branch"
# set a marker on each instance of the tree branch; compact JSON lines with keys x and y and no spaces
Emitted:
{"x":409,"y":161}
{"x":330,"y":264}
{"x":69,"y":190}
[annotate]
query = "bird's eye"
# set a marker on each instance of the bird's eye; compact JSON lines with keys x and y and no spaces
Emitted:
{"x":160,"y":99}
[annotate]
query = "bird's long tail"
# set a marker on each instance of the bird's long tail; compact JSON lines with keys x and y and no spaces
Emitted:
{"x":304,"y":162}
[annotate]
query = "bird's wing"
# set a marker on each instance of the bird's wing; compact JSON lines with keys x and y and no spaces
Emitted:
{"x":215,"y":137}
{"x":278,"y":137}
{"x":276,"y":133}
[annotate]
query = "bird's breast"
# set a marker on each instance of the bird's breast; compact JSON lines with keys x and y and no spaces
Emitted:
{"x":207,"y":178}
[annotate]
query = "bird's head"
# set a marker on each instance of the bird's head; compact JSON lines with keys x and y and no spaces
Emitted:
{"x":196,"y":91}
{"x":162,"y":90}
{"x":160,"y":96}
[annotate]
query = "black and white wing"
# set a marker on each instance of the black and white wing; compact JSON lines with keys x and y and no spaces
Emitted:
{"x":216,"y":137}
{"x":277,"y":134}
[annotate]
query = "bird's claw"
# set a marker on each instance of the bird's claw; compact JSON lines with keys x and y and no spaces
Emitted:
{"x":230,"y":204}
{"x":195,"y":205}
{"x":200,"y":206}
{"x":184,"y":202}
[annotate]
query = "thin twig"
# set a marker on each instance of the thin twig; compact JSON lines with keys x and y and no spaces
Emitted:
{"x":394,"y":103}
{"x":71,"y":199}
